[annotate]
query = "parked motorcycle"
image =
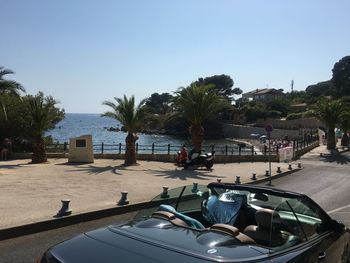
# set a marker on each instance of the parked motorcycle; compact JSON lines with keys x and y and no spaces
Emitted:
{"x":197,"y":159}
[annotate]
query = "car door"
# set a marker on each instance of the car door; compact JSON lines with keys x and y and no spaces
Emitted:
{"x":319,"y":242}
{"x":328,"y":243}
{"x":302,"y":232}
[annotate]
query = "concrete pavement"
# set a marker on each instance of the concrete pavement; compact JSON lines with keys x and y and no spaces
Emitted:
{"x":32,"y":192}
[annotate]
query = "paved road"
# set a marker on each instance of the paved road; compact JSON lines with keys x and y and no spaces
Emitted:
{"x":326,"y":180}
{"x":29,"y":248}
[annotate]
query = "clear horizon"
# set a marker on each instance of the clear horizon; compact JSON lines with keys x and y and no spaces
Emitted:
{"x":85,"y":52}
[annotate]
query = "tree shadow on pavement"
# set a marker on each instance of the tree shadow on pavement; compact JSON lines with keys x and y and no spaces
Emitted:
{"x":336,"y":157}
{"x":91,"y":169}
{"x":185,"y":174}
{"x":10,"y":166}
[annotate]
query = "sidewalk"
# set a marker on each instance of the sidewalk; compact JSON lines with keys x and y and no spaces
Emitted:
{"x":33,"y":192}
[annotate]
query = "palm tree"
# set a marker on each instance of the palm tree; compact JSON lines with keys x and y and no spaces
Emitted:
{"x":42,"y":116}
{"x":8,"y":87}
{"x":196,"y":103}
{"x":329,"y":113}
{"x":131,"y":118}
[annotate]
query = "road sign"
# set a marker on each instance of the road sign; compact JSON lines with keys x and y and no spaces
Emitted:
{"x":268,"y":128}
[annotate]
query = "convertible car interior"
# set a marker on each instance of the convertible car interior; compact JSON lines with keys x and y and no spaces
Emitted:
{"x":245,"y":215}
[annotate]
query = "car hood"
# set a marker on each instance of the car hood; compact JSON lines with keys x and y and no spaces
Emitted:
{"x":154,"y":240}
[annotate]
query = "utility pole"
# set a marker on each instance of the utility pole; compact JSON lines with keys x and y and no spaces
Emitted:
{"x":292,"y":85}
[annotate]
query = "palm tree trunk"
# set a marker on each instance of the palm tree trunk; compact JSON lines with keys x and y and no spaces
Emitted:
{"x":197,"y":136}
{"x":39,"y":151}
{"x":331,"y":144}
{"x":130,"y":151}
{"x":3,"y":108}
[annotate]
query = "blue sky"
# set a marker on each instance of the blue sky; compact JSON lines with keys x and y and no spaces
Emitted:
{"x":84,"y":52}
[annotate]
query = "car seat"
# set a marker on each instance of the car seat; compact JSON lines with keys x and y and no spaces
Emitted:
{"x":191,"y":222}
{"x":267,"y":232}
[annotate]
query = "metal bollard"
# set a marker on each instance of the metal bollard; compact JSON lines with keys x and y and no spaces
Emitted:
{"x":238,"y":180}
{"x":299,"y":165}
{"x":218,"y":180}
{"x":195,"y":188}
{"x":123,"y":200}
{"x":290,"y":167}
{"x":165,"y":192}
{"x":253,"y":176}
{"x":267,"y":173}
{"x":65,"y":210}
{"x":279,"y":169}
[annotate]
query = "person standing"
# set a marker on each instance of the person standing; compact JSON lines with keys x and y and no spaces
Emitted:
{"x":6,"y":146}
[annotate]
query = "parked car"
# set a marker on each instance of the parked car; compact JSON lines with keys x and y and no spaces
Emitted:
{"x":216,"y":223}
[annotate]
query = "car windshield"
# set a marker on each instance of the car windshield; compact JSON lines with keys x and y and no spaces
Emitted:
{"x":184,"y":199}
{"x":271,"y":219}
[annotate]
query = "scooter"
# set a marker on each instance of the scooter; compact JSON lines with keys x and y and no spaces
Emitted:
{"x":197,"y":159}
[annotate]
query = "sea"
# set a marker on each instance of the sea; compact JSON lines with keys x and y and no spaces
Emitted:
{"x":78,"y":124}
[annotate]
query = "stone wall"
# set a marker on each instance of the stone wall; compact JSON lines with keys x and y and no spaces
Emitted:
{"x":305,"y":123}
{"x":239,"y":131}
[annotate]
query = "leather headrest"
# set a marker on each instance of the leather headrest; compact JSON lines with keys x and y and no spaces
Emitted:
{"x":264,"y":217}
{"x":228,"y":229}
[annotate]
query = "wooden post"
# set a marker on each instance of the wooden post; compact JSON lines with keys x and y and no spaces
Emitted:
{"x":152,"y":148}
{"x":168,"y":148}
{"x":120,"y":148}
{"x":102,"y":146}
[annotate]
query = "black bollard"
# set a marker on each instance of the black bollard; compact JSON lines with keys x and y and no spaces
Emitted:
{"x":165,"y":192}
{"x":124,"y":199}
{"x":65,"y":210}
{"x":238,"y":180}
{"x":195,"y":188}
{"x":253,"y":176}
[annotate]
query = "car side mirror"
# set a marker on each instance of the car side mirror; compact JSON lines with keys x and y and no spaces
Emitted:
{"x":338,"y":227}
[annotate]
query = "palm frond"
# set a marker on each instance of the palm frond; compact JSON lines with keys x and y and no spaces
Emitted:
{"x":9,"y":86}
{"x":125,"y":111}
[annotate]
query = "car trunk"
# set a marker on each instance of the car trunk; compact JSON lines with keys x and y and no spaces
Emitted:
{"x":155,"y":240}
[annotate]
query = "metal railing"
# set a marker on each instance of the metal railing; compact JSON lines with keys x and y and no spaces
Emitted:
{"x":220,"y":149}
{"x":119,"y":148}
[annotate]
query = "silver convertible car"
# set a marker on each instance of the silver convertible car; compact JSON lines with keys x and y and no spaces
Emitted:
{"x":215,"y":223}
